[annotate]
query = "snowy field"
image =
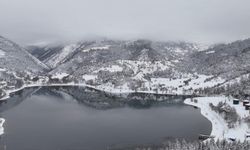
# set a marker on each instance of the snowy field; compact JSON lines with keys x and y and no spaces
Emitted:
{"x":160,"y":85}
{"x":96,"y":48}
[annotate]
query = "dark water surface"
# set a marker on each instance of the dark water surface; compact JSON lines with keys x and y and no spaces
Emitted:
{"x":52,"y":120}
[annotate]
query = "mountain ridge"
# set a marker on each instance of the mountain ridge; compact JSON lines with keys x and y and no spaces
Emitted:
{"x":144,"y":65}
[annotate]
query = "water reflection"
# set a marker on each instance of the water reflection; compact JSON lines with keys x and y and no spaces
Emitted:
{"x":90,"y":119}
{"x":91,"y":98}
{"x":101,"y":100}
{"x":14,"y":100}
{"x":88,"y":97}
{"x":17,"y":98}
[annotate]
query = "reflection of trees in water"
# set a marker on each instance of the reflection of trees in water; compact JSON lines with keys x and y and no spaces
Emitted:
{"x":102,"y":100}
{"x":16,"y":98}
{"x":93,"y":98}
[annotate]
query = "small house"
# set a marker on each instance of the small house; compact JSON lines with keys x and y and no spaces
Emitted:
{"x":247,"y":106}
{"x":245,"y":102}
{"x":236,"y":101}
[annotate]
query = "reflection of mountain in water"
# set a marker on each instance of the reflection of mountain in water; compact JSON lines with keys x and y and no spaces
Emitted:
{"x":101,"y":100}
{"x":16,"y":98}
{"x":89,"y":97}
{"x":92,"y":98}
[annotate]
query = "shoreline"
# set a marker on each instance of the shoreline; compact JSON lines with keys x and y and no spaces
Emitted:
{"x":220,"y":129}
{"x":102,"y":89}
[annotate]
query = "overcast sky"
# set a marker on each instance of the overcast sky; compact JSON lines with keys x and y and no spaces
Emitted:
{"x":206,"y":21}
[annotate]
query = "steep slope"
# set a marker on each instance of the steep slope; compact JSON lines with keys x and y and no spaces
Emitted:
{"x":44,"y":53}
{"x":16,"y":66}
{"x":54,"y":55}
{"x":73,"y":57}
{"x":227,"y":60}
{"x":13,"y":57}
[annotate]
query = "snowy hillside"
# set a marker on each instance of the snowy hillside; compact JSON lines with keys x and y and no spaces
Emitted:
{"x":129,"y":66}
{"x":109,"y":50}
{"x":180,"y":67}
{"x":15,"y":65}
{"x":13,"y":57}
{"x":227,"y":60}
{"x":141,"y":65}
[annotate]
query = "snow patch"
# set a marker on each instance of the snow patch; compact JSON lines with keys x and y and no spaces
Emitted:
{"x":210,"y":52}
{"x":113,"y":68}
{"x":2,"y":53}
{"x":178,"y":50}
{"x":192,"y":82}
{"x":97,"y":48}
{"x":89,"y":77}
{"x":59,"y":76}
{"x":2,"y":69}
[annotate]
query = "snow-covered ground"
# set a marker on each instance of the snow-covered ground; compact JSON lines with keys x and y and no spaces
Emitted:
{"x":112,"y":68}
{"x":2,"y":120}
{"x":2,"y":53}
{"x":145,"y":66}
{"x":220,"y":129}
{"x":161,"y":85}
{"x":2,"y":69}
{"x":97,"y":48}
{"x":193,"y":82}
{"x":210,"y":52}
{"x":89,"y":77}
{"x":59,"y":76}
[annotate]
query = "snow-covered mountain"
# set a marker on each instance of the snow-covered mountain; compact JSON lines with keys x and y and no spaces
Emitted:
{"x":128,"y":65}
{"x":16,"y":64}
{"x":141,"y":65}
{"x":72,"y":56}
{"x":54,"y":55}
{"x":107,"y":50}
{"x":14,"y":57}
{"x":228,"y":61}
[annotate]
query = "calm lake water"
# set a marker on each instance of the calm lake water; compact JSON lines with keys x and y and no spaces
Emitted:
{"x":49,"y":119}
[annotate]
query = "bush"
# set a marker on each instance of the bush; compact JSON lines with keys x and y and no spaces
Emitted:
{"x":229,"y":113}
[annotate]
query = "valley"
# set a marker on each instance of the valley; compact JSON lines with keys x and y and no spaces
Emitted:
{"x":139,"y":70}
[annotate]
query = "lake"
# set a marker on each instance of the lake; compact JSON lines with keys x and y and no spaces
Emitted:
{"x":54,"y":119}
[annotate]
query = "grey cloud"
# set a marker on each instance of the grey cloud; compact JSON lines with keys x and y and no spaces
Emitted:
{"x":207,"y":21}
